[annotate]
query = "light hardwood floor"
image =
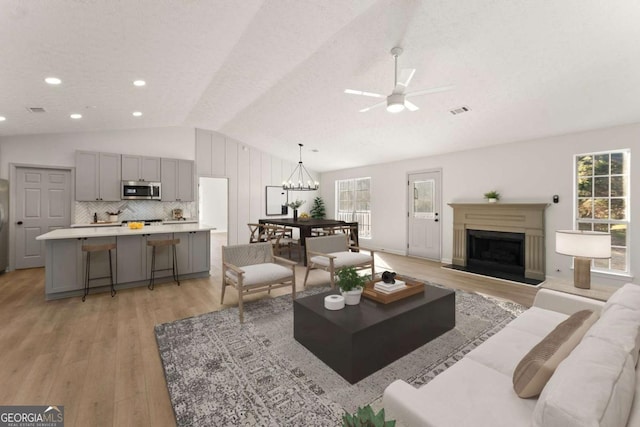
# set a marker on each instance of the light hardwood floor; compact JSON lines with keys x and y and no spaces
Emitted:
{"x":99,"y":358}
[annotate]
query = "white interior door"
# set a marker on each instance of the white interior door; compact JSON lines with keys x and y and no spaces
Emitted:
{"x":43,"y":203}
{"x":424,"y":215}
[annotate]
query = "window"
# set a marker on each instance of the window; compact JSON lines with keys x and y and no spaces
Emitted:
{"x":602,"y":195}
{"x":353,"y":203}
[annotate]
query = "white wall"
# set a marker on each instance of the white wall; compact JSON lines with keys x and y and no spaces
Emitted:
{"x":213,"y":202}
{"x":59,"y":149}
{"x":249,"y":172}
{"x":525,"y":171}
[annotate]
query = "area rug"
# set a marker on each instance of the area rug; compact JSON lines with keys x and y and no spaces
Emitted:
{"x":219,"y":372}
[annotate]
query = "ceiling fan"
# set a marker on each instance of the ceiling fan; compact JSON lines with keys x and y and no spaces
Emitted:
{"x":397,"y":101}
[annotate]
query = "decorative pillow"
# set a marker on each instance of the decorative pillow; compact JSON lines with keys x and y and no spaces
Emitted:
{"x":537,"y":366}
{"x":594,"y":386}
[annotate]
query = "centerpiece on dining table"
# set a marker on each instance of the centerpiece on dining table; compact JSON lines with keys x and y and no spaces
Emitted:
{"x":295,"y":205}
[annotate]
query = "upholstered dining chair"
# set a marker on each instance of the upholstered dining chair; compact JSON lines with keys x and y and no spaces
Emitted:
{"x":253,"y":268}
{"x":333,"y":252}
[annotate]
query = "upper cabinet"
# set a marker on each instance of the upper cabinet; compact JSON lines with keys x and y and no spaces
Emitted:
{"x":140,"y":168}
{"x":177,"y":178}
{"x":97,"y":176}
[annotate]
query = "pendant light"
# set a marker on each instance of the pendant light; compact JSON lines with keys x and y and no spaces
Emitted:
{"x":300,"y":179}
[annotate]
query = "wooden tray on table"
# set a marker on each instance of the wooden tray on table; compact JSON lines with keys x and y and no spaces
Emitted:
{"x":413,"y":287}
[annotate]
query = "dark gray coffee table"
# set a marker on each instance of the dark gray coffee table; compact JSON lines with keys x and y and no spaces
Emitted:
{"x":359,"y":340}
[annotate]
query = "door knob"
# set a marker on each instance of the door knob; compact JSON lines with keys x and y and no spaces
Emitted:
{"x":19,"y":222}
{"x":436,"y":220}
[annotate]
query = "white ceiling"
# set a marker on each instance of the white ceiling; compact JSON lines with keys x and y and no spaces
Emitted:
{"x":271,"y":73}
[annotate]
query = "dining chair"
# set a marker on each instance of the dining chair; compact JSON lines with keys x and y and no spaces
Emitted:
{"x":257,"y":232}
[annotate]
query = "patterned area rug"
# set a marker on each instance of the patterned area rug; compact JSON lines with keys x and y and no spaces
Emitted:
{"x":221,"y":373}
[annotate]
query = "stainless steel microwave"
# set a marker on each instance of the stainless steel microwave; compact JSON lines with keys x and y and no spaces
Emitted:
{"x":140,"y":190}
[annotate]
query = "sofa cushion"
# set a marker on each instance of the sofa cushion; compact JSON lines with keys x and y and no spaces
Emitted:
{"x":537,"y":366}
{"x":342,"y":259}
{"x":593,"y":386}
{"x":262,"y":273}
{"x":628,"y":296}
{"x":538,"y":321}
{"x":504,"y":350}
{"x":466,"y":394}
{"x":620,"y":326}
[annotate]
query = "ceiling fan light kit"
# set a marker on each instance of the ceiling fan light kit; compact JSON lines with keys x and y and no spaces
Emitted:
{"x":300,"y":179}
{"x":397,"y":101}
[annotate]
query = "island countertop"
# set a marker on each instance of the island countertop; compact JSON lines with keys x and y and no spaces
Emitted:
{"x":73,"y":233}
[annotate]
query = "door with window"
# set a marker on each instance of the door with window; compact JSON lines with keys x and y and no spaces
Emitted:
{"x":424,"y":223}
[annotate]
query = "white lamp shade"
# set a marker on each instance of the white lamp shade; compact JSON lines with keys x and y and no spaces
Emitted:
{"x":585,"y":244}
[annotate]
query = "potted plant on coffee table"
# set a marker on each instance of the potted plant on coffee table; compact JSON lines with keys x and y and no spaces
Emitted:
{"x":351,"y":285}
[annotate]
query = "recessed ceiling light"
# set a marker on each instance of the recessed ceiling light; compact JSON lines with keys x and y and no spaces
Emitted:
{"x":2,"y":118}
{"x":137,"y":113}
{"x":53,"y":80}
{"x":139,"y":83}
{"x":76,"y":116}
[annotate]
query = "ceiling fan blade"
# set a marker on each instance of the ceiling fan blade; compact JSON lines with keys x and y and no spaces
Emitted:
{"x":428,"y":91}
{"x":410,"y":105}
{"x":379,"y":104}
{"x":404,"y":78}
{"x":359,"y":92}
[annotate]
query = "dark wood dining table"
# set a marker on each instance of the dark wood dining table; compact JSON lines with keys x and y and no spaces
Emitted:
{"x":306,"y":225}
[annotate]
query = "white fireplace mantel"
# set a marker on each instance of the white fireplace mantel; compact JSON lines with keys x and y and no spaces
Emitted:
{"x":526,"y":218}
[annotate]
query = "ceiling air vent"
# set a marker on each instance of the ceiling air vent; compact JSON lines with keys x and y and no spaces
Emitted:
{"x":459,"y":110}
{"x":36,"y":109}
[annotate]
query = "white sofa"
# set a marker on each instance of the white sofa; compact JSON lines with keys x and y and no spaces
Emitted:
{"x":596,"y":385}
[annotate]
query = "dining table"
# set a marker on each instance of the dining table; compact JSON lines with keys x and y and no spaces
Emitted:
{"x":305,"y":226}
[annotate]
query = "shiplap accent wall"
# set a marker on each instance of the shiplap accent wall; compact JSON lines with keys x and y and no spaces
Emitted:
{"x":248,"y":171}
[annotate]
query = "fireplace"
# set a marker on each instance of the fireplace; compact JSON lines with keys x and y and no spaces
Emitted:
{"x":496,"y":252}
{"x":504,"y":240}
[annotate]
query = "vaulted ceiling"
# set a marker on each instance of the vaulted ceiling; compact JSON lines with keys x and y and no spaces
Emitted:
{"x":271,"y":73}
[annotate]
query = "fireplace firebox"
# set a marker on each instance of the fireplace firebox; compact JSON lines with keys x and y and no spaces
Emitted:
{"x":496,"y":251}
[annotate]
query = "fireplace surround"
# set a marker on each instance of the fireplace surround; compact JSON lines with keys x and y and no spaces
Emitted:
{"x":522,"y":225}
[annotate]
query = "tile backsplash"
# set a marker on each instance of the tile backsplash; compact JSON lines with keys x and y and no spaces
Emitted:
{"x":132,"y":209}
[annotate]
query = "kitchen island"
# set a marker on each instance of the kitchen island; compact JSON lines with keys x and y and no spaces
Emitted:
{"x":65,"y":262}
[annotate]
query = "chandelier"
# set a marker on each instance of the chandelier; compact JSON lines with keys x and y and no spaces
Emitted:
{"x":300,"y":179}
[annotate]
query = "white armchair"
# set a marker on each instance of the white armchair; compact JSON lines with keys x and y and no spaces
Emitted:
{"x":331,"y":253}
{"x":253,"y":268}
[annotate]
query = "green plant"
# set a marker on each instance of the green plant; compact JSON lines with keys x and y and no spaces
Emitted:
{"x":366,"y":417}
{"x":296,"y":204}
{"x":317,"y":210}
{"x":493,"y":194}
{"x":349,"y":279}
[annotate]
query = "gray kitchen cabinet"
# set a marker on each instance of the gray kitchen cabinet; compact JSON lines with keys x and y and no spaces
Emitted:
{"x":66,"y":263}
{"x":140,"y":168}
{"x":132,"y":258}
{"x":193,"y":251}
{"x":98,"y":176}
{"x":177,"y":180}
{"x":63,"y":266}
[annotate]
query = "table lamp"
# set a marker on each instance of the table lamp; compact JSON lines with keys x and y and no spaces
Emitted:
{"x":583,"y":245}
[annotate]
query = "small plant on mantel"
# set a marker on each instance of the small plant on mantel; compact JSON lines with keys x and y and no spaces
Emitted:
{"x":492,"y":195}
{"x":365,"y":417}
